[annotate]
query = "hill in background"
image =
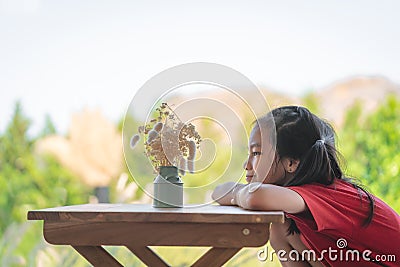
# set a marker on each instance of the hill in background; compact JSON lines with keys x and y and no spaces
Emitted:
{"x":330,"y":102}
{"x":370,"y":91}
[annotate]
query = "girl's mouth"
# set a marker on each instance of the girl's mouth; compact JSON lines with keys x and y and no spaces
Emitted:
{"x":249,"y":178}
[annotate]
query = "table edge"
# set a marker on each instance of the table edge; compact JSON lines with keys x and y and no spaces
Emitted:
{"x":52,"y":214}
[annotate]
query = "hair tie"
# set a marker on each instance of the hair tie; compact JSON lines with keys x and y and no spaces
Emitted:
{"x":320,"y":141}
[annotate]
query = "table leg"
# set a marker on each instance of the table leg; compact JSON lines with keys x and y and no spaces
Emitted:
{"x":147,"y":256}
{"x":216,"y":257}
{"x":97,"y":256}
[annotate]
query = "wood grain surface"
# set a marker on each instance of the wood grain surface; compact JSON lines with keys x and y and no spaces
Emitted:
{"x":146,"y":213}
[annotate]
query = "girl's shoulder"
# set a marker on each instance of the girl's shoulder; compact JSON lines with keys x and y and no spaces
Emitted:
{"x":338,"y":186}
{"x":340,"y":195}
{"x":341,"y":201}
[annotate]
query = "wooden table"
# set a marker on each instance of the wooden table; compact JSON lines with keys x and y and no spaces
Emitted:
{"x":226,"y":229}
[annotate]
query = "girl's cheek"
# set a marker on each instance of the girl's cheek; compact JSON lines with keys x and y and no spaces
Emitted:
{"x":255,"y":163}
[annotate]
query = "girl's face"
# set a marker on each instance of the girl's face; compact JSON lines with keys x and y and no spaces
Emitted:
{"x":262,"y":165}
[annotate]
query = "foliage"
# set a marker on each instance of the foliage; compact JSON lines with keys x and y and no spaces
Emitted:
{"x":311,"y":100}
{"x":131,"y":124}
{"x":371,"y":145}
{"x":29,"y":182}
{"x":49,"y":128}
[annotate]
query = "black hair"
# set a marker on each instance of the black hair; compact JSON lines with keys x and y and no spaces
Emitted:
{"x":301,"y":135}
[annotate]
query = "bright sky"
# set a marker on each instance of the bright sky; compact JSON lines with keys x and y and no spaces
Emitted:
{"x":58,"y":57}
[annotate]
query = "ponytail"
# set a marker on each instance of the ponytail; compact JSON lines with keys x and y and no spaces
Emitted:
{"x":316,"y":166}
{"x":312,"y":141}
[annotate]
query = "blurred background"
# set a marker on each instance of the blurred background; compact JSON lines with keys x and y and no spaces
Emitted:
{"x":69,"y":69}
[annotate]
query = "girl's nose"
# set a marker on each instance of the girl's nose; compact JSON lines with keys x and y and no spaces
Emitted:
{"x":246,"y":165}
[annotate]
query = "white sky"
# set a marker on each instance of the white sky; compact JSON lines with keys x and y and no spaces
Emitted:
{"x":58,"y":57}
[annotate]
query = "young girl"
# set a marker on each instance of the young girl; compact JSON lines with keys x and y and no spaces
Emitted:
{"x":293,"y":166}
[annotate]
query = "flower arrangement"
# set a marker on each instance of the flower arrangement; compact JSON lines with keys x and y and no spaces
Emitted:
{"x":169,"y":141}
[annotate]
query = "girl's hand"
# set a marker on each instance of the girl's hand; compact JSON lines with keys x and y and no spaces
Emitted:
{"x":225,"y":194}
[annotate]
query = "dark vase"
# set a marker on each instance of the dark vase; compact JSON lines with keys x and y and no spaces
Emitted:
{"x":102,"y":193}
{"x":168,"y":188}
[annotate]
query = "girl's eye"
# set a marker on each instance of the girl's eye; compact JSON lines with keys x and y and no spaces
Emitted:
{"x":255,"y":153}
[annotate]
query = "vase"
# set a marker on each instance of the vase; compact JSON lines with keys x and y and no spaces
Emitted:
{"x":168,"y":188}
{"x":102,"y":193}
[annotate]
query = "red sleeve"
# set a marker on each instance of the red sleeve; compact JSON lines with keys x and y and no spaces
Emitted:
{"x":327,"y":207}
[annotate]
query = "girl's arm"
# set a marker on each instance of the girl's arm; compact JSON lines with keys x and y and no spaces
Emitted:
{"x":257,"y":196}
{"x":224,"y":193}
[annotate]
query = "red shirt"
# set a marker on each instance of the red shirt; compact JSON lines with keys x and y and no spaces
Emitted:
{"x":332,"y":226}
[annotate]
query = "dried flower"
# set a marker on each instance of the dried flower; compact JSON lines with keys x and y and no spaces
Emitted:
{"x":192,"y":150}
{"x":170,"y":142}
{"x":182,"y":165}
{"x":158,"y":127}
{"x":190,"y":165}
{"x":134,"y":140}
{"x":151,"y":136}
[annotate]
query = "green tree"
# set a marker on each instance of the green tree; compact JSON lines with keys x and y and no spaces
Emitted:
{"x":311,"y":101}
{"x":48,"y":128}
{"x":30,"y":182}
{"x":371,"y":146}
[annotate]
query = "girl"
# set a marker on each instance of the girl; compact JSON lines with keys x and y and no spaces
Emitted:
{"x":293,"y":166}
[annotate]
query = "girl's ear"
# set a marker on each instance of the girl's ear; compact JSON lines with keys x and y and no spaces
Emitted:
{"x":290,"y":165}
